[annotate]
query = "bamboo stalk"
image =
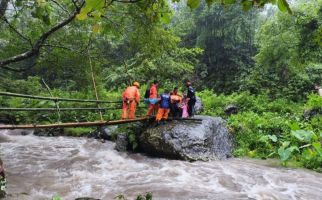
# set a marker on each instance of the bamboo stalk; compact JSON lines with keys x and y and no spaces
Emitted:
{"x":56,"y":102}
{"x":54,"y":109}
{"x":61,"y":109}
{"x":94,"y":84}
{"x":54,"y":98}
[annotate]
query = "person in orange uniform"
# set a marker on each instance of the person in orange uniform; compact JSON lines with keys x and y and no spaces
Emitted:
{"x":131,"y":98}
{"x":164,"y":109}
{"x":153,"y":106}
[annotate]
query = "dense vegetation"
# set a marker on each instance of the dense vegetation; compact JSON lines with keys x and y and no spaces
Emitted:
{"x":261,"y":59}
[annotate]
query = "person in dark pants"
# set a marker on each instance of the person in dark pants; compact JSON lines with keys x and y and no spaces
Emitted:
{"x":191,"y":97}
{"x":164,"y":109}
{"x":175,"y":109}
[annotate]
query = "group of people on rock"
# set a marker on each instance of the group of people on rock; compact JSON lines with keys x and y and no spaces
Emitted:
{"x":168,"y":103}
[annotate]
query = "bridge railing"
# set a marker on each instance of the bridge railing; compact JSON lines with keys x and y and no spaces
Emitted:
{"x":117,"y":105}
{"x":55,"y":98}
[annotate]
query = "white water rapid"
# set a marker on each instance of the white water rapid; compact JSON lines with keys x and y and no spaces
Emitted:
{"x":41,"y":167}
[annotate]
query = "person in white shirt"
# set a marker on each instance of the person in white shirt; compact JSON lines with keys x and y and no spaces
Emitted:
{"x":319,"y":89}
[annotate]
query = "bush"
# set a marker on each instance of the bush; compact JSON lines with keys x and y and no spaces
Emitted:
{"x":266,"y":128}
{"x":314,"y":102}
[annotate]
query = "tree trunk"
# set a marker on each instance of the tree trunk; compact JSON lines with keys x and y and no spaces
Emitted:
{"x":3,"y":7}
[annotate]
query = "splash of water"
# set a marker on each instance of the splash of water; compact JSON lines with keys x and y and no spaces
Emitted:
{"x":40,"y":167}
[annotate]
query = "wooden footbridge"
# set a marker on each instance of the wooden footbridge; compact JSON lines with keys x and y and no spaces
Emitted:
{"x":58,"y":110}
{"x":116,"y":105}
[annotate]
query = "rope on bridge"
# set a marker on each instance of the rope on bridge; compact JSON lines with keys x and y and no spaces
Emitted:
{"x":55,"y":98}
{"x":69,"y":124}
{"x":54,"y":109}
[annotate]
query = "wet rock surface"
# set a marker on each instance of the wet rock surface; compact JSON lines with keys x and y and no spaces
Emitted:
{"x":122,"y":142}
{"x":198,"y":106}
{"x":104,"y":132}
{"x":205,"y":138}
{"x":231,"y":109}
{"x":310,"y":113}
{"x":49,"y":132}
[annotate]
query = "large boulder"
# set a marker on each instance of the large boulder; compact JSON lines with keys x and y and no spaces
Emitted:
{"x":127,"y":135}
{"x":201,"y":138}
{"x":198,"y":106}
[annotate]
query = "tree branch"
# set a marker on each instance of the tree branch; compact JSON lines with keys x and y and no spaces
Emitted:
{"x":60,"y":6}
{"x":19,"y":69}
{"x":128,"y":1}
{"x":36,"y":47}
{"x":16,"y":31}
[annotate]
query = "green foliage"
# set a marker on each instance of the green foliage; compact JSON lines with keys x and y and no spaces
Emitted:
{"x":246,"y":4}
{"x":265,"y":128}
{"x":283,"y":6}
{"x":56,"y":198}
{"x":193,"y":3}
{"x":306,"y":149}
{"x":133,"y":140}
{"x":33,"y":86}
{"x":314,"y":102}
{"x":289,"y":53}
{"x":226,"y":36}
{"x":77,"y":132}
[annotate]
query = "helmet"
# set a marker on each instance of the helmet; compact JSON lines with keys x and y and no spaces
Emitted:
{"x":137,"y":84}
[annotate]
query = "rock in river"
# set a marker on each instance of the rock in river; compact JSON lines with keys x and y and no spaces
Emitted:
{"x":202,"y":139}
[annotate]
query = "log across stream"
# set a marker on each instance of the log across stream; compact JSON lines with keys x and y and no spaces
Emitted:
{"x":41,"y":167}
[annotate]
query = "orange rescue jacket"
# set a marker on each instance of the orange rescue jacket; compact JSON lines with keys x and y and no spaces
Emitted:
{"x":131,"y":93}
{"x":175,"y":98}
{"x":153,"y":92}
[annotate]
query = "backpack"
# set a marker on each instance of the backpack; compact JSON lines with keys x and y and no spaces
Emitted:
{"x":147,"y":93}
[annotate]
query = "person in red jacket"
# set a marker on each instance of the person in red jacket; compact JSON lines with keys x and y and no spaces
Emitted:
{"x":153,"y":106}
{"x":131,"y":98}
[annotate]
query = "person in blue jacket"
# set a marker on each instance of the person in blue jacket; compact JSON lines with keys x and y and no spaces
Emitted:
{"x":164,"y":108}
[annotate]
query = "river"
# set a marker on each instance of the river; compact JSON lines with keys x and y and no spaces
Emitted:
{"x":41,"y":167}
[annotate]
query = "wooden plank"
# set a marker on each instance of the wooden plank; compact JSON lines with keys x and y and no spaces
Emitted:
{"x":73,"y":124}
{"x":87,"y":124}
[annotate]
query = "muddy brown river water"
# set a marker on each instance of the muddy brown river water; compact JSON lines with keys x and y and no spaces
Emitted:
{"x":41,"y":167}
